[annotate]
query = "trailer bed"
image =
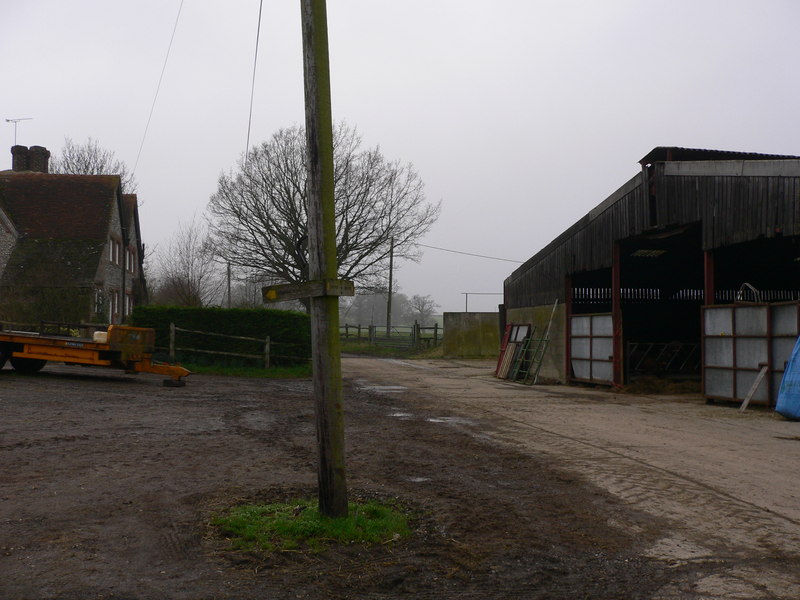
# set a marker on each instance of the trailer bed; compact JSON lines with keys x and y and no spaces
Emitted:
{"x":122,"y":347}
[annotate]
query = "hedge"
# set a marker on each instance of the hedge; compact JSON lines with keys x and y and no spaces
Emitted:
{"x":289,"y":332}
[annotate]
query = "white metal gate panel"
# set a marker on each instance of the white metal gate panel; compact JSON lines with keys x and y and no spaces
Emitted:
{"x":784,"y":332}
{"x":592,"y":348}
{"x":739,"y":340}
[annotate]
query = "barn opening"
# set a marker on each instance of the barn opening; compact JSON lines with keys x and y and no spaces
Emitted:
{"x":645,"y":279}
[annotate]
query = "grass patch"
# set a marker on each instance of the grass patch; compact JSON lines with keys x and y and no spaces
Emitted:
{"x":430,"y":353}
{"x":295,"y":372}
{"x":298,"y":526}
{"x":366,"y":349}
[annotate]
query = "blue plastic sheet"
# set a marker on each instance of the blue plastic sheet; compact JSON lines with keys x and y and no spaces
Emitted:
{"x":789,"y":394}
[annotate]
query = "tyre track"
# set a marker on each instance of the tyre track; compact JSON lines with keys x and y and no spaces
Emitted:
{"x":720,"y":538}
{"x":717,"y":518}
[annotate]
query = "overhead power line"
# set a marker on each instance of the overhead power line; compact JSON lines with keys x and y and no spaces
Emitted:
{"x":253,"y":83}
{"x":471,"y":254}
{"x":158,"y":87}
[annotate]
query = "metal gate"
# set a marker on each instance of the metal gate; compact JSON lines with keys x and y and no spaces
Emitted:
{"x":591,"y":341}
{"x":740,"y":340}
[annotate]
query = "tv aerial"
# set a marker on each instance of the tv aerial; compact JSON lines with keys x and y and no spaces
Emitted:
{"x":15,"y":122}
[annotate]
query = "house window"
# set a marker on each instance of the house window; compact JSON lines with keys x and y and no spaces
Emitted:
{"x":128,"y":304}
{"x":115,"y":251}
{"x":130,"y":260}
{"x":113,"y":306}
{"x":99,"y":301}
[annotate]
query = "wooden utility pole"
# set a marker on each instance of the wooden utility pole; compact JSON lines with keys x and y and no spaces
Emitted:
{"x":229,"y":285}
{"x":389,"y":295}
{"x":327,"y":366}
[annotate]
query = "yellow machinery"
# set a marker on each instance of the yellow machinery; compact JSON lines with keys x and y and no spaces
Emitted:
{"x":121,"y":347}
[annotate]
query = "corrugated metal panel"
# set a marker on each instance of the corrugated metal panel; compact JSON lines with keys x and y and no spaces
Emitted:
{"x":738,"y":340}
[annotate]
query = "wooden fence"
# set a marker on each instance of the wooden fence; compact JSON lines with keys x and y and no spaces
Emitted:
{"x":85,"y":330}
{"x":174,"y":348}
{"x":266,"y":356}
{"x":401,"y":337}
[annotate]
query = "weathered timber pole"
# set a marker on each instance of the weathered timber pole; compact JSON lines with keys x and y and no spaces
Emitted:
{"x":327,"y":367}
{"x":389,"y":295}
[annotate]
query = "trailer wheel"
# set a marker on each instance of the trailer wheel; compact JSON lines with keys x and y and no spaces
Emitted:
{"x":27,"y":365}
{"x":5,"y":353}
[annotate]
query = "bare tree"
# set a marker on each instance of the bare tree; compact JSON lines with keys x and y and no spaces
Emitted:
{"x":421,"y":308}
{"x":259,"y":211}
{"x":186,"y":272}
{"x":91,"y":159}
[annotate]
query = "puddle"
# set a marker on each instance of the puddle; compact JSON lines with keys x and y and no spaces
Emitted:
{"x":406,"y":363}
{"x":385,"y":389}
{"x":401,"y":415}
{"x":451,"y":420}
{"x":419,"y":479}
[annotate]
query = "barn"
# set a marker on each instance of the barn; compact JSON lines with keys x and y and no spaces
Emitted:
{"x":691,"y":269}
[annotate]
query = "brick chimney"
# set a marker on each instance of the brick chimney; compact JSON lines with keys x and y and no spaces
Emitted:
{"x":39,"y":159}
{"x":19,"y":158}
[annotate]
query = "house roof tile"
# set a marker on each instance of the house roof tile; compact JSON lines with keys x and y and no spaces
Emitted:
{"x":63,"y":222}
{"x":56,"y":206}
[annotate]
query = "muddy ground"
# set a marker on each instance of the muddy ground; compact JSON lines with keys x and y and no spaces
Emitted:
{"x":108,"y":483}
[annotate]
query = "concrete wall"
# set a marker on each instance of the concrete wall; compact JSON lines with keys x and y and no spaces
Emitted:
{"x":471,"y":334}
{"x":553,"y":366}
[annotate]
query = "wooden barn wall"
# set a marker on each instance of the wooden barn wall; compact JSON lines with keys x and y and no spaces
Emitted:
{"x":732,"y":209}
{"x":586,"y":246}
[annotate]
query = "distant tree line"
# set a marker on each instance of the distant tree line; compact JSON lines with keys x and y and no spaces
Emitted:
{"x":370,"y":309}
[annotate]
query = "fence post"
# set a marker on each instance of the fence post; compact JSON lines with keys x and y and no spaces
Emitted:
{"x":172,"y":342}
{"x":371,"y":334}
{"x":359,"y":332}
{"x":436,"y":334}
{"x":266,"y":353}
{"x":346,"y":331}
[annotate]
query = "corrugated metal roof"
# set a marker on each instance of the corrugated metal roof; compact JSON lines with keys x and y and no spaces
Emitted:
{"x":670,"y":153}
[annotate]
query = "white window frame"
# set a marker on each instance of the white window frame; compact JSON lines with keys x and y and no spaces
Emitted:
{"x":113,"y":304}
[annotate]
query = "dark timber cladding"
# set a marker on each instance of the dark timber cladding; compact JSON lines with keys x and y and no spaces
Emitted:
{"x":722,"y":199}
{"x":652,"y":281}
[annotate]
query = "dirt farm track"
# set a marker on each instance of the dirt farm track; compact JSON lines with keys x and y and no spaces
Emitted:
{"x":108,"y":482}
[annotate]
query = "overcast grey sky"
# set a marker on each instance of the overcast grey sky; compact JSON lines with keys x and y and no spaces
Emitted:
{"x":520,"y":115}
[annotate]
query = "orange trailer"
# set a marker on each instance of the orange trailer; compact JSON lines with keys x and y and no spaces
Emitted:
{"x":120,"y":347}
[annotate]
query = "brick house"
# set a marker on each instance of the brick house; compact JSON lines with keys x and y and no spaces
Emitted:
{"x":70,"y":245}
